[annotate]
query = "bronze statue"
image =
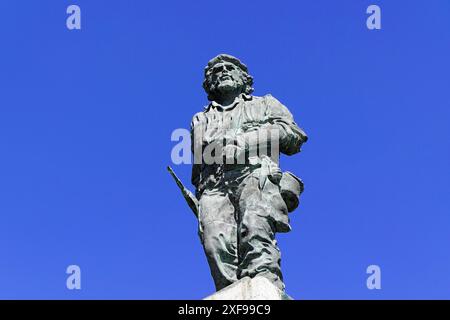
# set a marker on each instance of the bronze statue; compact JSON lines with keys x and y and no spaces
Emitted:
{"x":242,"y":198}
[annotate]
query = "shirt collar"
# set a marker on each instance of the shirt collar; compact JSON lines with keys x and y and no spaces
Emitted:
{"x":216,"y":105}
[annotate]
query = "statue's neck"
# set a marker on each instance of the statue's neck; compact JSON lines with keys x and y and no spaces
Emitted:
{"x":227,"y":100}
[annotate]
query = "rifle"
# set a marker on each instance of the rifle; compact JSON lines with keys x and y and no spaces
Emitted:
{"x":188,"y":196}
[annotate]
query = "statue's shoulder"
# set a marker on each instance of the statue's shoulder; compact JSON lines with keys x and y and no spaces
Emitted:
{"x":274,"y":106}
{"x":270,"y":99}
{"x":199,"y":117}
{"x":266,"y":99}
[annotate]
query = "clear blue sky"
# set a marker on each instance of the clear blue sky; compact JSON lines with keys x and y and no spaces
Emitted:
{"x":86,"y":118}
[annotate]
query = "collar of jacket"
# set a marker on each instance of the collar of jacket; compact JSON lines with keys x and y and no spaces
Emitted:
{"x":215,"y":105}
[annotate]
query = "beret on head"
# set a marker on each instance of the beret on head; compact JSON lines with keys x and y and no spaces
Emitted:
{"x":227,"y":58}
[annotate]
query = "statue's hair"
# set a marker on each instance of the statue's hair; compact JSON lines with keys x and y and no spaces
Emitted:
{"x":246,"y":77}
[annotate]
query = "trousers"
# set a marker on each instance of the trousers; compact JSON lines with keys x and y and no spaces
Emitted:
{"x":238,"y":217}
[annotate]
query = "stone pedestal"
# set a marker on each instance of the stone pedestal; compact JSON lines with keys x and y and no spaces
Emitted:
{"x":257,"y":288}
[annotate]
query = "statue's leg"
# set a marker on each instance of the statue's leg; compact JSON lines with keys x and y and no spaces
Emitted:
{"x":258,"y":250}
{"x":219,"y":236}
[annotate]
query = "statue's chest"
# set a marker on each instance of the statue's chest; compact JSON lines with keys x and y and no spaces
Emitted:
{"x":236,"y":119}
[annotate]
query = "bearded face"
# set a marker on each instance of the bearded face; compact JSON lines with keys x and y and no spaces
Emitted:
{"x":225,"y":78}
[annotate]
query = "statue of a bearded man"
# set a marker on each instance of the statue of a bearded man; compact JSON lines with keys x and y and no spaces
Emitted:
{"x":243,"y":196}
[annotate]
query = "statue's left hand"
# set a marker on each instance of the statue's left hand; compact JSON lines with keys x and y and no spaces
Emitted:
{"x":270,"y":170}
